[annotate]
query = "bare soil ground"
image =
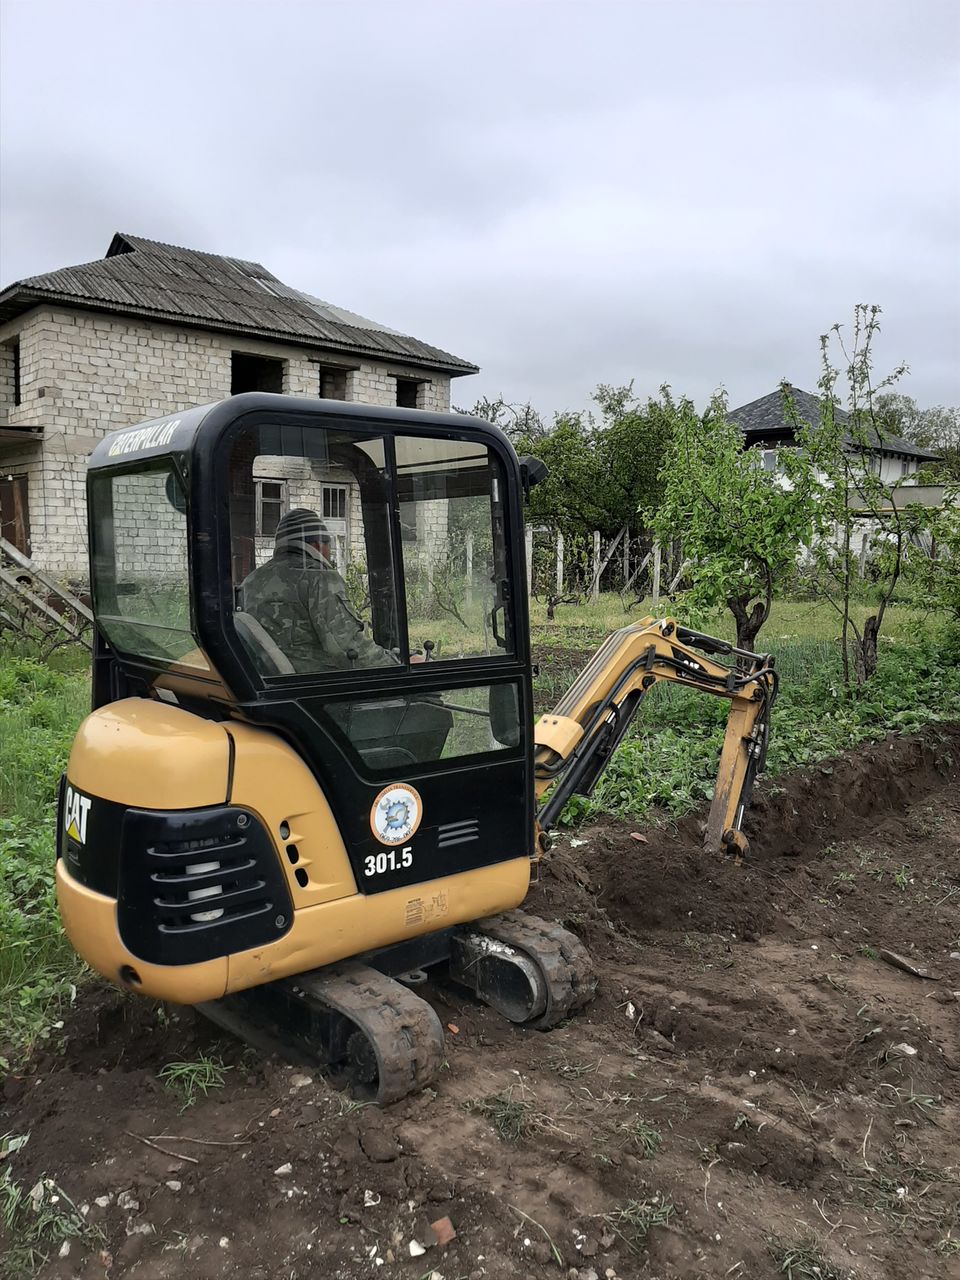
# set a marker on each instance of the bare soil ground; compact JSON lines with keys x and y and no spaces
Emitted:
{"x":738,"y":1094}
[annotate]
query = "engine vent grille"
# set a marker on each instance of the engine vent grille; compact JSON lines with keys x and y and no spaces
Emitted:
{"x":199,"y":883}
{"x":453,"y":833}
{"x":215,"y":871}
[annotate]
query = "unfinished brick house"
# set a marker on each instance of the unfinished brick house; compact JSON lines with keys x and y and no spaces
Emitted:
{"x":152,"y":328}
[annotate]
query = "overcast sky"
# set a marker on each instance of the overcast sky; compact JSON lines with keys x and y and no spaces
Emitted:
{"x":564,"y":193}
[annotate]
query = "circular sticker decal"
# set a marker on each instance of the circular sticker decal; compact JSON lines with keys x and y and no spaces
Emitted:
{"x":396,"y":814}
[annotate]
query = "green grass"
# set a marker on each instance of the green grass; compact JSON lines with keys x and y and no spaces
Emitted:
{"x":633,"y":1220}
{"x":36,"y":1222}
{"x":40,"y":708}
{"x":804,"y":1261}
{"x":188,"y":1080}
{"x":641,"y":1135}
{"x":513,"y":1118}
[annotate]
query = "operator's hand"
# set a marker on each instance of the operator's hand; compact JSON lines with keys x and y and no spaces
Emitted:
{"x":418,"y":657}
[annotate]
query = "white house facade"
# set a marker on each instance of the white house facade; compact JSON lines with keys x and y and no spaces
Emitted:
{"x":153,"y":328}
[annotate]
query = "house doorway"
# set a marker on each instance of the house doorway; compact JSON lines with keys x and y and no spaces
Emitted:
{"x":15,"y":512}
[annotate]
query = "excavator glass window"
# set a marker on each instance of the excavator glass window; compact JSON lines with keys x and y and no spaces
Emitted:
{"x":409,"y":563}
{"x":141,"y":583}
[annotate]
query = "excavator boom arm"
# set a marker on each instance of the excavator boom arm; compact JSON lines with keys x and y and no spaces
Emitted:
{"x":574,"y":742}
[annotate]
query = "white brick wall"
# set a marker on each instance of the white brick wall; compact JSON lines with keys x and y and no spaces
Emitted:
{"x":84,"y":374}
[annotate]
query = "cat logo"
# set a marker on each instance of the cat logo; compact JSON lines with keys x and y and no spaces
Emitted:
{"x":75,"y":810}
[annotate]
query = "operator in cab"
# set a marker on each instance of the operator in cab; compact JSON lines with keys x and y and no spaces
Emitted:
{"x":300,"y":600}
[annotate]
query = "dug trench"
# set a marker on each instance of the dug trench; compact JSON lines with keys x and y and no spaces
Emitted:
{"x":758,"y":1089}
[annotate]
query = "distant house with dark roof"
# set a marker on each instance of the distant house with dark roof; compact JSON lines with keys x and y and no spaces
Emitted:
{"x":152,"y":328}
{"x":765,"y":425}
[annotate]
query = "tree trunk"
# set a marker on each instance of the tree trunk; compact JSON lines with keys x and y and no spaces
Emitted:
{"x":865,"y":651}
{"x":748,"y":623}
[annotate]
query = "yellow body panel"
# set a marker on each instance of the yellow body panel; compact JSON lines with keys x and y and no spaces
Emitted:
{"x":319,"y":935}
{"x":272,"y":780}
{"x":150,"y":755}
{"x":90,"y":922}
{"x":336,"y":930}
{"x":558,"y":733}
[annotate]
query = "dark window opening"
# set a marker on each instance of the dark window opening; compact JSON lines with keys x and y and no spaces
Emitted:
{"x":407,"y":389}
{"x":15,"y":512}
{"x":271,"y":505}
{"x":333,"y":384}
{"x":334,"y":502}
{"x":408,"y":522}
{"x":255,"y":373}
{"x":10,"y":357}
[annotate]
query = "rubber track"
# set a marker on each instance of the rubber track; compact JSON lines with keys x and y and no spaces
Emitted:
{"x":561,"y":957}
{"x":404,"y":1030}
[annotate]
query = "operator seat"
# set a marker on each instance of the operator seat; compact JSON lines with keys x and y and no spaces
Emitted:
{"x":266,"y":653}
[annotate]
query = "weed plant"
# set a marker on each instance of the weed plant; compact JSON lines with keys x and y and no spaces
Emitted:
{"x":35,"y":1222}
{"x":188,"y":1080}
{"x":40,"y":708}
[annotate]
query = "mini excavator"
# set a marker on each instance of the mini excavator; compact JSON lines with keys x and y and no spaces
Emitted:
{"x":291,"y":840}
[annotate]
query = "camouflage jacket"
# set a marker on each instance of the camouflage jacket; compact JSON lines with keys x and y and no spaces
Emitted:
{"x":302,"y":605}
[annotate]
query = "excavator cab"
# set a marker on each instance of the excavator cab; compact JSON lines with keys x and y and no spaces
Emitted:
{"x":415,"y":661}
{"x":311,"y":770}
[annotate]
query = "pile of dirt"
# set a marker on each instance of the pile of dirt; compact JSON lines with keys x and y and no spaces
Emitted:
{"x":660,"y":879}
{"x":753,"y":1083}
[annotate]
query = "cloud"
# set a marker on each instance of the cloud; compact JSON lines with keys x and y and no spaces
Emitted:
{"x":563,"y":193}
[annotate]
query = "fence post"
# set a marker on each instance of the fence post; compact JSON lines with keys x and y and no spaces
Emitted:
{"x":469,"y":568}
{"x":864,"y":551}
{"x":657,"y":558}
{"x":528,"y":543}
{"x":559,"y":564}
{"x":626,"y":554}
{"x":595,"y":588}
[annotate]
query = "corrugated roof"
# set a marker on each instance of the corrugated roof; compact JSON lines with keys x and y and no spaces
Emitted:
{"x":766,"y":420}
{"x":185,"y":286}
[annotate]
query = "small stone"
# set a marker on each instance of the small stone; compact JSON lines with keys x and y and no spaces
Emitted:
{"x":902,"y":1050}
{"x":126,"y":1201}
{"x":379,"y":1146}
{"x":139,"y":1228}
{"x":416,"y":1249}
{"x":64,"y":1250}
{"x":103,"y":1201}
{"x":224,"y":1242}
{"x":283,"y":1170}
{"x":174,"y":1185}
{"x":443,"y":1231}
{"x":300,"y":1082}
